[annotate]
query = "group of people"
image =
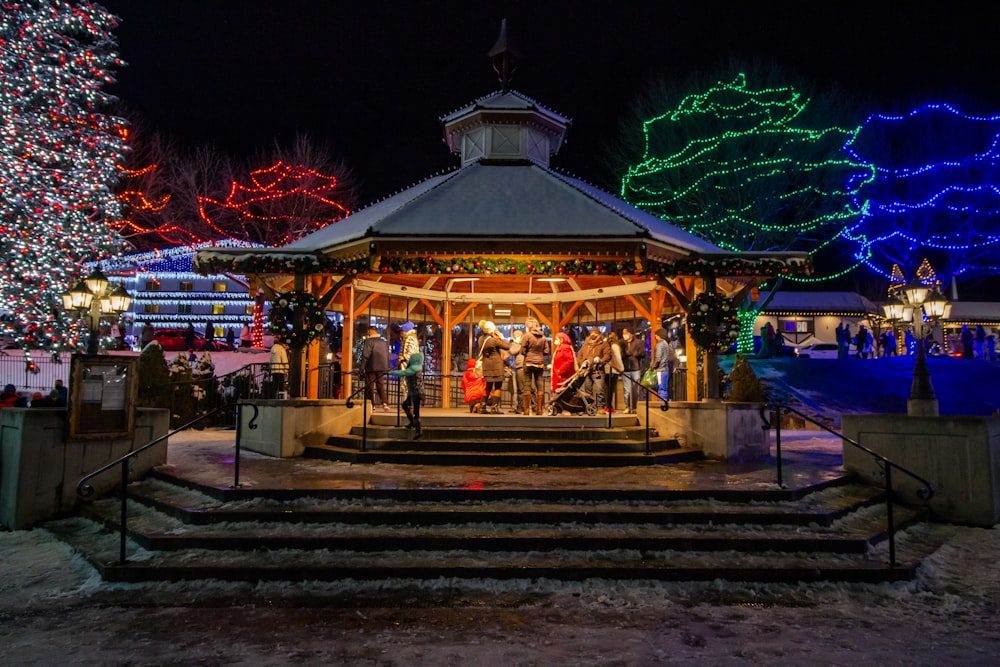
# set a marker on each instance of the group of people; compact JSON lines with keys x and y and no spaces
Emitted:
{"x":58,"y":397}
{"x":602,"y":359}
{"x":978,"y":344}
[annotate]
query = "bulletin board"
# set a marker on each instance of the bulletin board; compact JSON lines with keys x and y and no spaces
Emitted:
{"x":102,"y":395}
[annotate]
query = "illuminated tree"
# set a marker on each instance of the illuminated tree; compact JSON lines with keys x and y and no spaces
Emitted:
{"x":58,"y":158}
{"x":304,"y":189}
{"x":736,"y":167}
{"x":936,"y":194}
{"x":740,"y":167}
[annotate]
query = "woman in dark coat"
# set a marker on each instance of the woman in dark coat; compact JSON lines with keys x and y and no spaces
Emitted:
{"x":492,"y":347}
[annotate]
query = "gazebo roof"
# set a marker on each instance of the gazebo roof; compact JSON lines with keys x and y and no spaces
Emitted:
{"x":497,"y":202}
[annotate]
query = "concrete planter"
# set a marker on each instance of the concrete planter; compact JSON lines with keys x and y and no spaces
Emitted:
{"x":959,"y":455}
{"x":41,"y":468}
{"x":724,"y":430}
{"x":284,"y":428}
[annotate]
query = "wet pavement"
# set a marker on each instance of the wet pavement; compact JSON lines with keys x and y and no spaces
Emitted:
{"x":207,"y":458}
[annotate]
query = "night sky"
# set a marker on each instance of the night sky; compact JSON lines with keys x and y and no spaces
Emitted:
{"x":371,"y":79}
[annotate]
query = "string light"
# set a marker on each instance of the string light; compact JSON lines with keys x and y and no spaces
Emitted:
{"x":752,"y":178}
{"x":58,"y":161}
{"x":292,"y":201}
{"x":936,"y":192}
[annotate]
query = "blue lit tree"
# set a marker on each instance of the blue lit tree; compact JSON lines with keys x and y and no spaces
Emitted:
{"x":936,"y":194}
{"x":58,"y":158}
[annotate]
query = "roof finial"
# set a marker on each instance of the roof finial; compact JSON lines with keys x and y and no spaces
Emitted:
{"x":504,"y":58}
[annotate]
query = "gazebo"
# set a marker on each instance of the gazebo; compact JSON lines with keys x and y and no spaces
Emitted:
{"x":502,"y":236}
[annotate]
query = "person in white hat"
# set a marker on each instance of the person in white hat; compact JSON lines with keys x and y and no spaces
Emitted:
{"x":491,"y":349}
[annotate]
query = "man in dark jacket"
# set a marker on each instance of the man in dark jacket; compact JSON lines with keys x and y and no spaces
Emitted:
{"x":375,"y":364}
{"x":595,"y":351}
{"x":634,"y":359}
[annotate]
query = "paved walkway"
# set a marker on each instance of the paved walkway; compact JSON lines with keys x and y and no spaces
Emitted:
{"x":207,"y":457}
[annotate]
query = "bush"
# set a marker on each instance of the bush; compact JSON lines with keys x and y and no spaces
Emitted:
{"x":154,"y":379}
{"x":744,"y":385}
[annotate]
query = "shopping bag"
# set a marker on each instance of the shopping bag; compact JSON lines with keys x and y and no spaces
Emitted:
{"x":649,"y":379}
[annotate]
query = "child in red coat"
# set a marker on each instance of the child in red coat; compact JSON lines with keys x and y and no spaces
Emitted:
{"x":473,"y":387}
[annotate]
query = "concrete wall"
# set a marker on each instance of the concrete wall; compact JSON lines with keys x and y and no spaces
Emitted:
{"x":41,"y":468}
{"x":722,"y":429}
{"x":286,"y":427}
{"x":958,"y":455}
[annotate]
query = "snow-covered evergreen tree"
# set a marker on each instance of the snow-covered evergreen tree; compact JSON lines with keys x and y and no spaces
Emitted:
{"x":58,"y":157}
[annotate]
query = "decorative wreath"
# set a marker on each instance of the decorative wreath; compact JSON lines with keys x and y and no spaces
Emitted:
{"x":281,"y":318}
{"x":713,"y":337}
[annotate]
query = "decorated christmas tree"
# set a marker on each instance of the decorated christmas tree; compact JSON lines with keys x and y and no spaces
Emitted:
{"x":58,"y":160}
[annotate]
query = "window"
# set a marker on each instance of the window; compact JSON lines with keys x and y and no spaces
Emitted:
{"x":795,"y":325}
{"x":219,"y":286}
{"x":186,"y":286}
{"x":152,"y":285}
{"x":151,"y":308}
{"x":248,"y":310}
{"x":184,"y":309}
{"x":218,"y":309}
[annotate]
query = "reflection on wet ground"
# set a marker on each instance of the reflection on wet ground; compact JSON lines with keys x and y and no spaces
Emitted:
{"x":207,"y":457}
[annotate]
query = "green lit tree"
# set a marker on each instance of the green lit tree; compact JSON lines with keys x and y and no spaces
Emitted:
{"x":58,"y":159}
{"x":748,"y":168}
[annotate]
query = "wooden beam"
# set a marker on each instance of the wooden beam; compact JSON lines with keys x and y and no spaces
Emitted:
{"x":565,"y":319}
{"x":458,"y":319}
{"x":364,"y":305}
{"x":542,"y":319}
{"x":433,"y":312}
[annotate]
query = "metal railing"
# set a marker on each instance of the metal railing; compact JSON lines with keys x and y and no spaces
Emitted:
{"x":925,"y":492}
{"x":86,"y":491}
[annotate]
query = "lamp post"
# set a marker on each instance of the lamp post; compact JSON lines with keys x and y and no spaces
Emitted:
{"x":93,"y":297}
{"x":917,"y":299}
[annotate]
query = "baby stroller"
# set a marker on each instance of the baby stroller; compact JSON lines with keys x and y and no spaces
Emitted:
{"x":570,"y":397}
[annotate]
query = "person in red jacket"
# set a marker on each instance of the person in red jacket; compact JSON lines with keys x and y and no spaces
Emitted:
{"x":473,"y":387}
{"x":563,"y":359}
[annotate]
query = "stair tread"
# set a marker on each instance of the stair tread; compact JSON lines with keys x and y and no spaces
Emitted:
{"x":819,"y":503}
{"x":102,"y":549}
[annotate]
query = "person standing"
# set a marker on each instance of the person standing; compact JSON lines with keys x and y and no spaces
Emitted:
{"x":189,"y":337}
{"x":375,"y":364}
{"x":633,"y":359}
{"x":230,"y":338}
{"x":660,"y":362}
{"x":246,"y":338}
{"x":517,"y":363}
{"x":491,"y":348}
{"x":209,"y":335}
{"x":841,"y":341}
{"x":147,"y":336}
{"x":596,"y":352}
{"x":615,"y":368}
{"x":535,"y":347}
{"x":279,"y":365}
{"x":413,"y":376}
{"x":62,"y":391}
{"x":563,"y":360}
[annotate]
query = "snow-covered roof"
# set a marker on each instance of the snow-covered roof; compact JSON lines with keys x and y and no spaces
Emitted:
{"x":819,"y":302}
{"x":502,"y":101}
{"x":496,"y":201}
{"x":975,"y":311}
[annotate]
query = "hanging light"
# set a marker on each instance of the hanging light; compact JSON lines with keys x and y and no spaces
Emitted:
{"x":935,"y":304}
{"x":78,"y":298}
{"x":893,"y":309}
{"x":96,"y":282}
{"x":916,"y":292}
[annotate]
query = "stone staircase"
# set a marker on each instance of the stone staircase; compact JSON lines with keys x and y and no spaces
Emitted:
{"x":506,"y":440}
{"x":182,"y":530}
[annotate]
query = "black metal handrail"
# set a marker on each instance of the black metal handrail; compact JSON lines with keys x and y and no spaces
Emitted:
{"x":637,"y":384}
{"x":925,"y":492}
{"x":86,"y":491}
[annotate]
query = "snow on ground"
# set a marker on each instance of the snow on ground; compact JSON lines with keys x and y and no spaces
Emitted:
{"x":55,"y":610}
